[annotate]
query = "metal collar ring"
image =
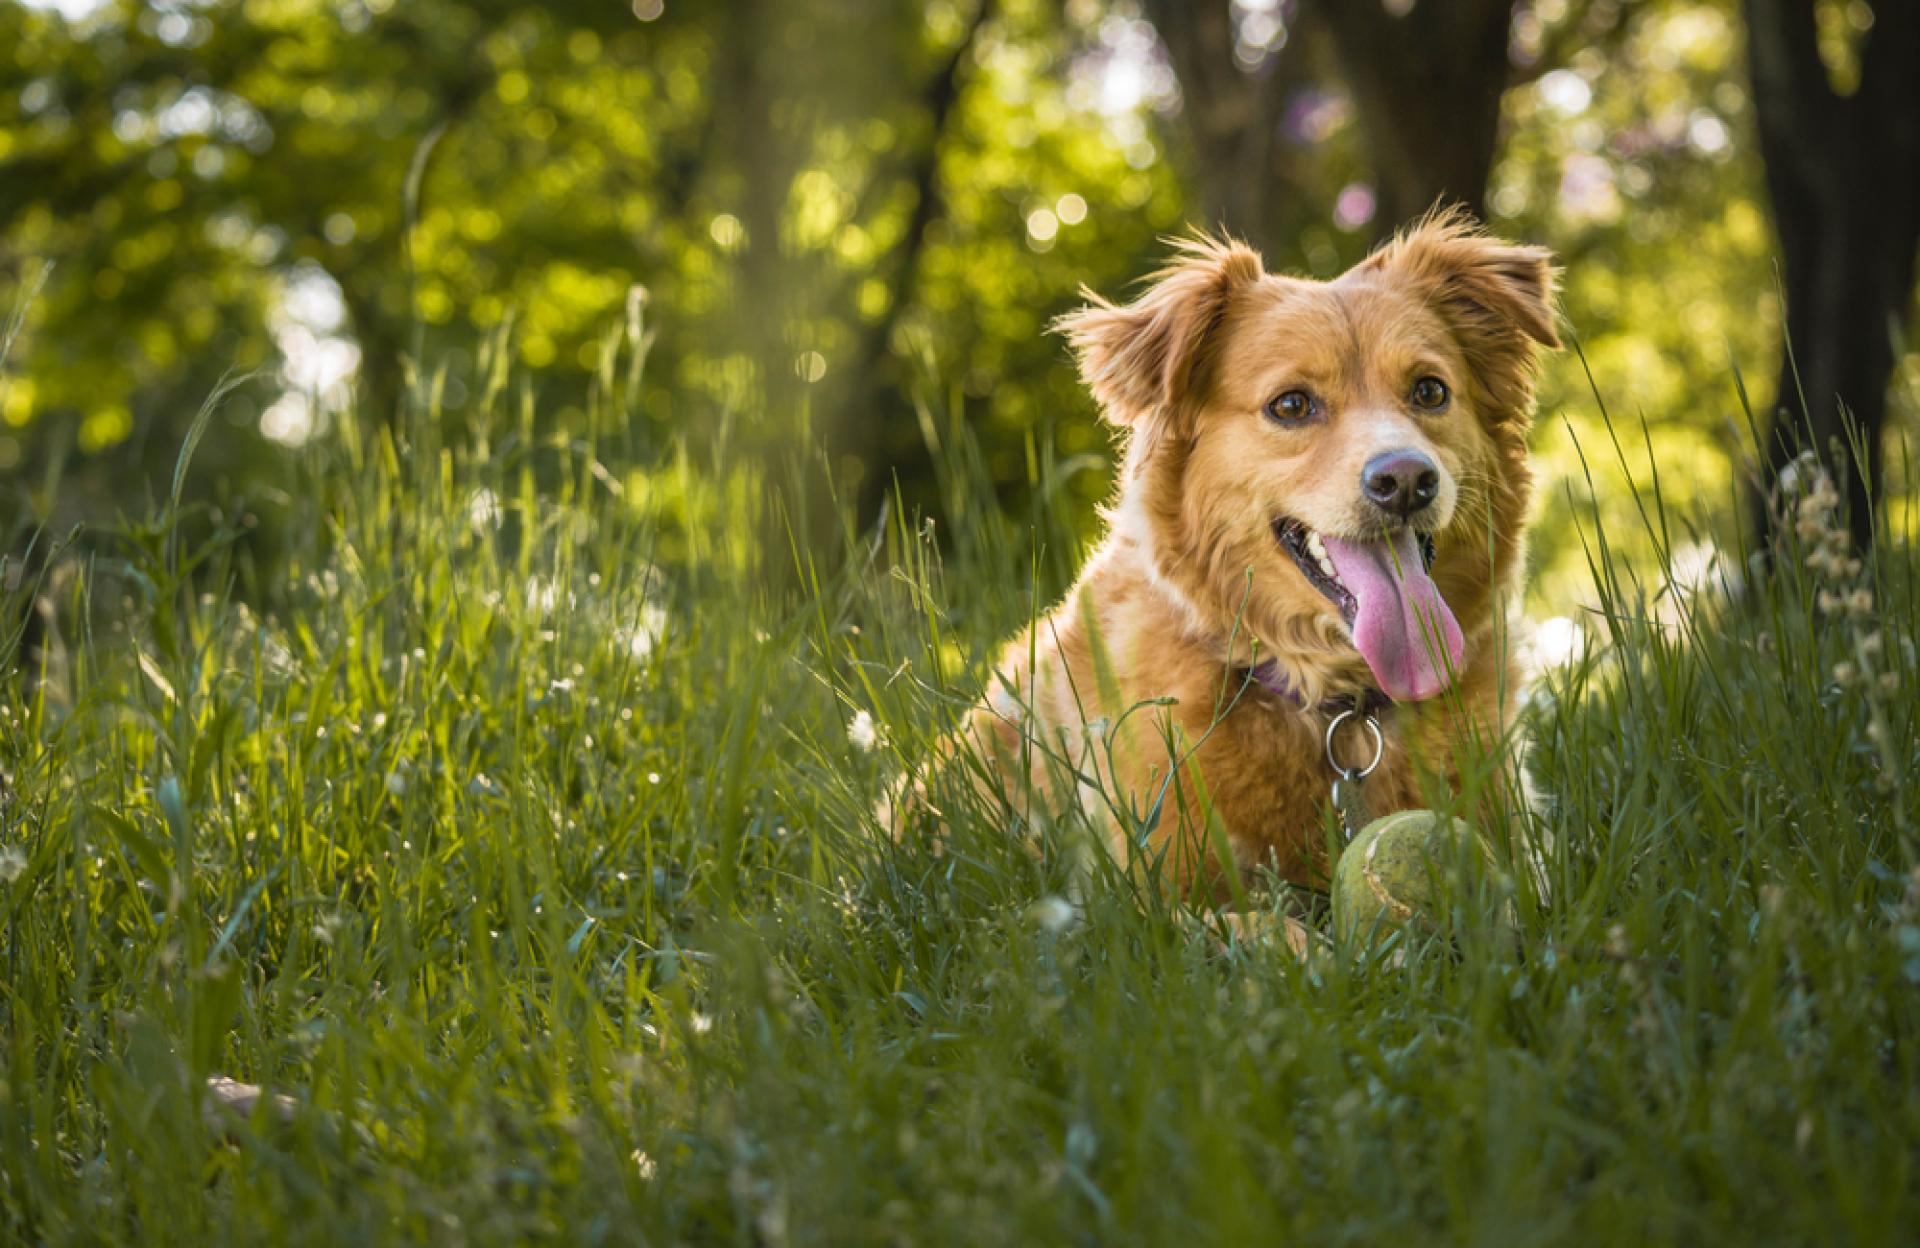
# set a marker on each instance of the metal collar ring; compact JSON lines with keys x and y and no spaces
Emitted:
{"x":1379,"y":745}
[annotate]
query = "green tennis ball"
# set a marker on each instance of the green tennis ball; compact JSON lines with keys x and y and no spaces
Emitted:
{"x":1414,"y":869}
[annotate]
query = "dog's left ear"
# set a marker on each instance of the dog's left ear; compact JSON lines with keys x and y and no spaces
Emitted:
{"x":1140,"y":359}
{"x":1497,"y":296}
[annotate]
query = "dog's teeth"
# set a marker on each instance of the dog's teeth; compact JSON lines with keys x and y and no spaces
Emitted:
{"x":1318,"y":549}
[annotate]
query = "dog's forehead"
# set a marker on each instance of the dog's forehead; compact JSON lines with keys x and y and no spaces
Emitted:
{"x":1361,"y":317}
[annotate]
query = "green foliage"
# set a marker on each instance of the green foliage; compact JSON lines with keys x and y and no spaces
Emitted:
{"x":1640,"y":164}
{"x":525,"y":839}
{"x":851,"y":215}
{"x":460,"y":168}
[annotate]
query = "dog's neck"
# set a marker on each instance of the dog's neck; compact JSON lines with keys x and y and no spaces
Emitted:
{"x":1268,"y":676}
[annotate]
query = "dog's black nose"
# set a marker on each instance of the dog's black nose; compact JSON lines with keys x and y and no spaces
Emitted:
{"x":1400,"y":482}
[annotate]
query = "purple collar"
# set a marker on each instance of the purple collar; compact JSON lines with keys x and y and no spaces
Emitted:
{"x":1372,"y":702}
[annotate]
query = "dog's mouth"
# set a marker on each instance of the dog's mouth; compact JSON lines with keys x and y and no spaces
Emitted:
{"x":1309,"y":551}
{"x":1399,"y":622}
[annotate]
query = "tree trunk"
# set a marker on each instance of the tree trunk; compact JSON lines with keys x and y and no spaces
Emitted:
{"x":1230,"y":118}
{"x":1427,"y":86}
{"x":752,"y":77}
{"x":1843,"y":173}
{"x":382,"y":380}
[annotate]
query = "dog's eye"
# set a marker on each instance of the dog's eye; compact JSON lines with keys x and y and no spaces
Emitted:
{"x":1290,"y":408}
{"x":1430,"y":393}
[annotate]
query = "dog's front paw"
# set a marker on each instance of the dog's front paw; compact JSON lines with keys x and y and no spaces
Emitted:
{"x":1229,"y":928}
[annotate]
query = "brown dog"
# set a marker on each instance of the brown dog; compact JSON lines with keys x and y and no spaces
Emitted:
{"x":1321,"y":509}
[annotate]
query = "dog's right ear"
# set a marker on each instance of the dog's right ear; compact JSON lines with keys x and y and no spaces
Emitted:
{"x":1140,"y":359}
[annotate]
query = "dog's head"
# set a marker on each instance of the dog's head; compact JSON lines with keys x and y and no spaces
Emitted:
{"x":1336,"y":468}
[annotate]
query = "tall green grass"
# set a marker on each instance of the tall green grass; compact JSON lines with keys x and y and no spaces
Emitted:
{"x":513,"y":814}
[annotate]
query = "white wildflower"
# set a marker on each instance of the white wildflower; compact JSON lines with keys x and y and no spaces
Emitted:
{"x":483,"y":511}
{"x":862,"y":732}
{"x":649,"y":623}
{"x":543,"y":596}
{"x":1053,"y":914}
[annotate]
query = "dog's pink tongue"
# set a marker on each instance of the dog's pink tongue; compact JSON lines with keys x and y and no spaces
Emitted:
{"x":1403,"y":627}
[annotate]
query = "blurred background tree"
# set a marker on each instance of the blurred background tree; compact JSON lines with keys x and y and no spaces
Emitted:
{"x":1839,"y":120}
{"x":834,"y":216}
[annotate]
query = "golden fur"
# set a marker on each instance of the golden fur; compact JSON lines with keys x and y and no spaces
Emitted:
{"x":1138,"y":678}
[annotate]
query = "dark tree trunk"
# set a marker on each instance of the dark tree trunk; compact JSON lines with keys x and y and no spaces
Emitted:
{"x":1843,"y":173}
{"x":382,"y":378}
{"x":1427,"y":86}
{"x":1230,"y":118}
